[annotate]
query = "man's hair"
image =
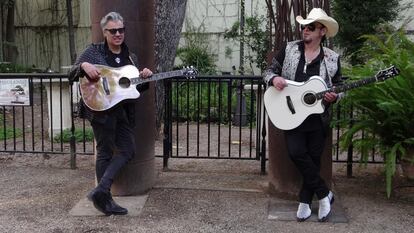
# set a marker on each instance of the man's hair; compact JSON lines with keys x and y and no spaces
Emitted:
{"x":111,"y":16}
{"x":323,"y":39}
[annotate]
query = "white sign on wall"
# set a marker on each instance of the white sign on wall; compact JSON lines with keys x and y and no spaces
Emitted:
{"x":15,"y":92}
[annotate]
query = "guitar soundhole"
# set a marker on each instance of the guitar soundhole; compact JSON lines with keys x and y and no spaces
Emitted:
{"x":124,"y":82}
{"x":310,"y":98}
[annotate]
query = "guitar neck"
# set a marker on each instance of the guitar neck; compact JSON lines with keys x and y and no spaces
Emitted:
{"x":156,"y":77}
{"x":347,"y":86}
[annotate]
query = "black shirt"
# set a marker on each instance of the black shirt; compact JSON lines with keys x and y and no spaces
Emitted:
{"x":117,"y":60}
{"x":313,"y":121}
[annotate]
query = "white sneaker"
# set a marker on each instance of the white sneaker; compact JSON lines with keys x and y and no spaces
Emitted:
{"x":304,"y":212}
{"x":325,"y":207}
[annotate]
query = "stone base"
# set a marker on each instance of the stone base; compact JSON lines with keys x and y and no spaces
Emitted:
{"x":285,"y":210}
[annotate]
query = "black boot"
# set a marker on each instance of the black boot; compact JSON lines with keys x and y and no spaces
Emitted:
{"x":116,"y":209}
{"x":101,"y":200}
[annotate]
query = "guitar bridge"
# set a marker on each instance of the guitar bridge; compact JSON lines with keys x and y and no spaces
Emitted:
{"x":105,"y":85}
{"x":290,"y":104}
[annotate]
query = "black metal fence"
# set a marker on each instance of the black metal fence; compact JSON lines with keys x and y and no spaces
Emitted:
{"x":38,"y":118}
{"x":211,"y":117}
{"x":215,"y":117}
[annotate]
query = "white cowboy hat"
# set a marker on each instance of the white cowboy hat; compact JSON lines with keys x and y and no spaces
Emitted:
{"x":320,"y":16}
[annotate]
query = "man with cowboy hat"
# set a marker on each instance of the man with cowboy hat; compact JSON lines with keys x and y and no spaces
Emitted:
{"x":298,"y":61}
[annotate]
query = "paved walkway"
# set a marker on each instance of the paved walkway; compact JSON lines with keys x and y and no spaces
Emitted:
{"x":186,"y":178}
{"x":192,"y":196}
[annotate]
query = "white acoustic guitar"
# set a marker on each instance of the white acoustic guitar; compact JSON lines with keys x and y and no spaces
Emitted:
{"x":287,"y":109}
{"x":118,"y":84}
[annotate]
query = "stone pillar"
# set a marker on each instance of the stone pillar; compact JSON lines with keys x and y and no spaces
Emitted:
{"x":138,"y":176}
{"x":284,"y":179}
{"x":58,"y":111}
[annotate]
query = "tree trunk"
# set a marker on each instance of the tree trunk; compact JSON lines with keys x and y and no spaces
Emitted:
{"x":71,"y":33}
{"x":169,"y":18}
{"x":1,"y":31}
{"x":10,"y":48}
{"x":282,"y":21}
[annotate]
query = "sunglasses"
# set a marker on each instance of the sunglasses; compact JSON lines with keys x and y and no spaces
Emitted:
{"x":114,"y":30}
{"x":311,"y":27}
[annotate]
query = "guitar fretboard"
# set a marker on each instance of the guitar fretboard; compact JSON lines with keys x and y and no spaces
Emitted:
{"x":156,"y":77}
{"x":347,"y":86}
{"x":380,"y":76}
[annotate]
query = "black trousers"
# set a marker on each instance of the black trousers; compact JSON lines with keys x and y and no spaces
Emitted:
{"x":115,"y":146}
{"x":305,"y":148}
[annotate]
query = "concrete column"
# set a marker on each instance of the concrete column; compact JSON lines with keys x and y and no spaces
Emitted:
{"x":58,"y":112}
{"x":284,"y":179}
{"x":138,"y":176}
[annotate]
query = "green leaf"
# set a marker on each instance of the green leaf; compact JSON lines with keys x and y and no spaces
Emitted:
{"x":383,"y":112}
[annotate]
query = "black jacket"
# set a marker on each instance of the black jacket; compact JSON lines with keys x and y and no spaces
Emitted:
{"x":97,"y":54}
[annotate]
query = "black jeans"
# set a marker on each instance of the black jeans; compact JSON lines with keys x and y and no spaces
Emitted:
{"x":305,"y":148}
{"x":115,"y":146}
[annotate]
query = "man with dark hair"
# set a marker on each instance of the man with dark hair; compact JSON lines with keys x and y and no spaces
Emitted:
{"x":298,"y":61}
{"x":113,"y":129}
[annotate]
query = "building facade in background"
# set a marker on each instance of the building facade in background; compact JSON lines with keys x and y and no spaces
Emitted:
{"x":42,"y":35}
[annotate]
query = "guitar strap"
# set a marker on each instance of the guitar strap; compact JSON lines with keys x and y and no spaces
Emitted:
{"x":330,"y":67}
{"x":132,"y":61}
{"x":340,"y":95}
{"x":326,"y":70}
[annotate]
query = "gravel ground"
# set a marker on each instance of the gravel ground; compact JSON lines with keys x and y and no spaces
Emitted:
{"x":37,"y":194}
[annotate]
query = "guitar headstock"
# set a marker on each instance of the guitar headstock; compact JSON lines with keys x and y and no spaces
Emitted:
{"x":387,"y":73}
{"x":189,"y":71}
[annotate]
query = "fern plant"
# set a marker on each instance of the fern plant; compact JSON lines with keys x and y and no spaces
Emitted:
{"x":385,"y":110}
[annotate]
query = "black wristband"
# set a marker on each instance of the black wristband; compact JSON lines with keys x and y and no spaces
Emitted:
{"x":270,"y":83}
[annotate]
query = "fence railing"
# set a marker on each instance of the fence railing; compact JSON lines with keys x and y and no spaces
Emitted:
{"x":38,"y":118}
{"x":213,"y":117}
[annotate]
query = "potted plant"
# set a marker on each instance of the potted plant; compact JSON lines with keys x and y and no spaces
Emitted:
{"x":384,"y":110}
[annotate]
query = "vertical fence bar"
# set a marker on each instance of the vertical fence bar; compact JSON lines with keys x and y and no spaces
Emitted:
{"x":349,"y":160}
{"x":208,"y":116}
{"x":72,"y":131}
{"x":41,"y":115}
{"x":250,"y":118}
{"x":188,"y":116}
{"x":14,"y":128}
{"x":198,"y":116}
{"x":258,"y":121}
{"x":4,"y":128}
{"x":51,"y":115}
{"x":23,"y":130}
{"x":170,"y":117}
{"x":33,"y":114}
{"x":229,"y":111}
{"x":177,"y":115}
{"x":241,"y":112}
{"x":61,"y":113}
{"x":220,"y":96}
{"x":167,"y":123}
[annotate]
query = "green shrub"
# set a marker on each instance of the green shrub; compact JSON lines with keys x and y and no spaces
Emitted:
{"x":196,"y":51}
{"x":14,"y":68}
{"x":10,"y":133}
{"x":255,"y":37}
{"x":79,"y":134}
{"x":385,"y":110}
{"x":208,"y":102}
